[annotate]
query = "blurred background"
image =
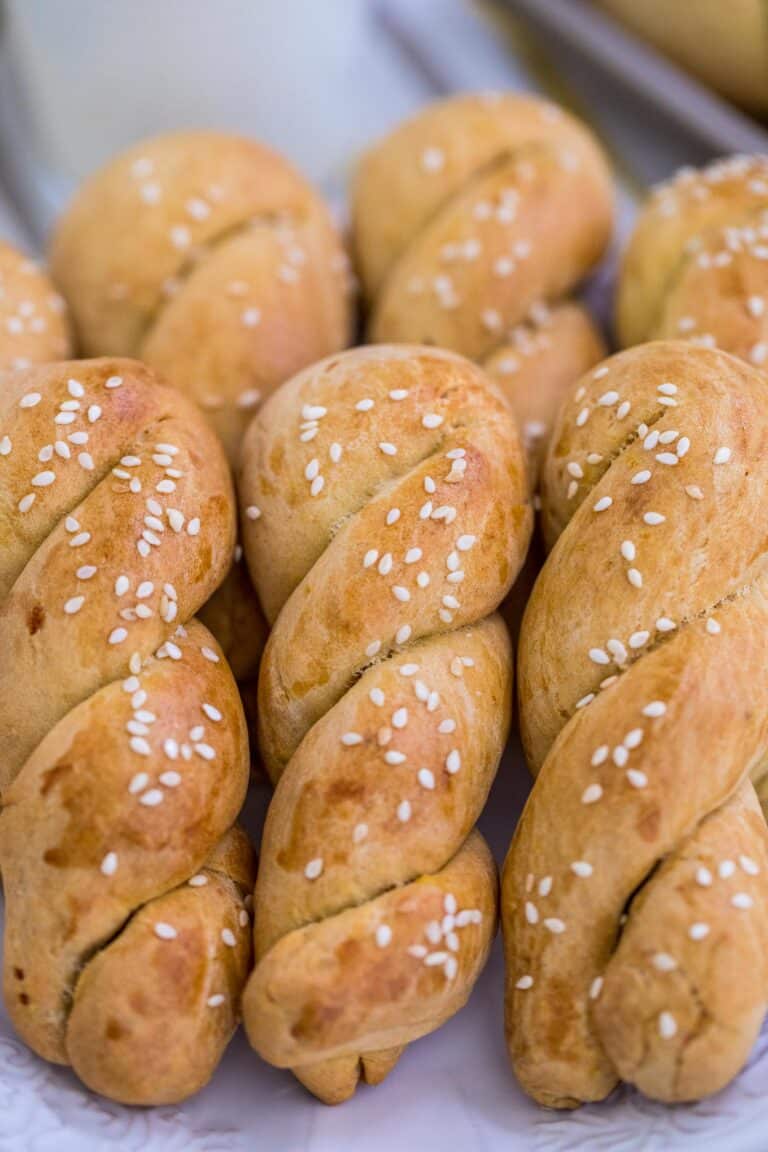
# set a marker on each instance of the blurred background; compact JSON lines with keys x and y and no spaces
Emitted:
{"x":664,"y":82}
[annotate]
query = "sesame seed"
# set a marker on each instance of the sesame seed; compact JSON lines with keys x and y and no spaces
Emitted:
{"x":664,"y":624}
{"x":74,"y":605}
{"x":634,"y":738}
{"x":603,"y":503}
{"x":165,"y":931}
{"x":94,"y":413}
{"x":383,"y":935}
{"x":524,"y":983}
{"x":712,"y":626}
{"x":250,"y":317}
{"x":749,"y":866}
{"x":426,"y":778}
{"x":598,"y":656}
{"x":638,"y":639}
{"x":667,"y":1025}
{"x":581,"y":868}
{"x":387,"y":448}
{"x":413,"y":555}
{"x":404,"y":811}
{"x":359,"y":833}
{"x":209,"y":654}
{"x":393,"y":516}
{"x":726,"y":869}
{"x":215,"y":1001}
{"x":170,"y":779}
{"x":554,"y":924}
{"x":431,"y":420}
{"x":109,"y":864}
{"x":664,"y":962}
{"x":43,"y":479}
{"x":193,"y":527}
{"x":596,"y":987}
{"x":117,"y":635}
{"x":400,"y":718}
{"x":204,"y":751}
{"x":314,"y":868}
{"x":628,"y":550}
{"x":641,"y":477}
{"x":151,"y":798}
{"x":667,"y":389}
{"x":742,"y":900}
{"x":398,"y":394}
{"x":722,"y":456}
{"x":453,"y":761}
{"x":591,"y":794}
{"x":620,"y":755}
{"x":403,"y":634}
{"x":432,"y":159}
{"x":636,"y":778}
{"x":600,"y":755}
{"x":635,"y":577}
{"x":228,"y":937}
{"x":698,"y":931}
{"x":394,"y":757}
{"x":608,"y":398}
{"x":401,"y":593}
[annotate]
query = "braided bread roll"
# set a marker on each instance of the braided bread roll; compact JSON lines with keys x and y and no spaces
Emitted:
{"x":209,"y":258}
{"x":33,"y":322}
{"x":472,"y":221}
{"x":385,"y":541}
{"x":636,"y":935}
{"x":696,"y":266}
{"x":125,"y":754}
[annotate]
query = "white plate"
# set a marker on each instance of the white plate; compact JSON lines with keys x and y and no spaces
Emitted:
{"x":450,"y":1091}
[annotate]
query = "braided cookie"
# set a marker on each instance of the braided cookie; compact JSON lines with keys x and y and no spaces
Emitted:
{"x":696,"y":266}
{"x":125,"y":754}
{"x":33,"y":324}
{"x":634,"y":902}
{"x":471,"y":222}
{"x":390,"y":489}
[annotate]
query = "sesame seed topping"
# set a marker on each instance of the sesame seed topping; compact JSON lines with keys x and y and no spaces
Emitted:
{"x":712,"y":626}
{"x":165,"y":931}
{"x":314,"y":868}
{"x":117,"y":635}
{"x":641,"y":477}
{"x":581,"y":868}
{"x":387,"y":448}
{"x":591,"y":794}
{"x":383,"y":935}
{"x":228,"y":937}
{"x":404,"y":811}
{"x":698,"y":931}
{"x":603,"y":504}
{"x":726,"y":869}
{"x":596,"y":987}
{"x":667,"y":1025}
{"x":426,"y":778}
{"x":722,"y":456}
{"x":215,"y":1001}
{"x":524,"y":983}
{"x":359,"y":833}
{"x":108,"y":865}
{"x":749,"y":866}
{"x":554,"y":924}
{"x":742,"y":900}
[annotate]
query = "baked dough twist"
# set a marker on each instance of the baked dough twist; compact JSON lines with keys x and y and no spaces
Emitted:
{"x":472,"y":221}
{"x":634,"y":901}
{"x":392,"y":519}
{"x":209,"y":258}
{"x":124,"y":745}
{"x":696,"y":266}
{"x":33,"y":322}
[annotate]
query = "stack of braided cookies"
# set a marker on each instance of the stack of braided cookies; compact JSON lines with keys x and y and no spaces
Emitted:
{"x":384,"y":500}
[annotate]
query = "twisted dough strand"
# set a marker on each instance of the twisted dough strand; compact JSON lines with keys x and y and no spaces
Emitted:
{"x":125,"y":753}
{"x":33,"y":321}
{"x":696,"y":266}
{"x":472,"y":221}
{"x":643,"y":705}
{"x":384,"y":700}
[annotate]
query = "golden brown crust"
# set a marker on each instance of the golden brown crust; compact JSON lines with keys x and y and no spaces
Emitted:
{"x":471,"y":218}
{"x":151,"y":1017}
{"x":127,"y":761}
{"x":536,"y":367}
{"x":198,"y":252}
{"x":696,"y":266}
{"x":33,"y":320}
{"x":384,"y":541}
{"x":641,"y":702}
